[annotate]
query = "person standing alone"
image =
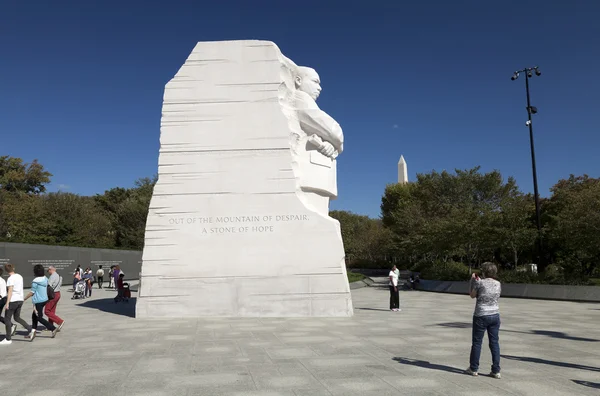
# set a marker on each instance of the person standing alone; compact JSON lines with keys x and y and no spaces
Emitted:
{"x":116,"y":273}
{"x":486,"y":318}
{"x":100,"y":277}
{"x":394,"y":294}
{"x":111,"y":280}
{"x":54,"y":281}
{"x":14,"y":286}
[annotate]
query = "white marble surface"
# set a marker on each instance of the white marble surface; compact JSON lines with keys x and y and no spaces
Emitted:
{"x":402,"y":171}
{"x":235,"y":226}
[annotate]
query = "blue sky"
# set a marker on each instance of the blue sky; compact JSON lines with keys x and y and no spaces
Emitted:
{"x":81,"y":84}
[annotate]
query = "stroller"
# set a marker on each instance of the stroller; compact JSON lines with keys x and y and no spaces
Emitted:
{"x":79,"y":291}
{"x":123,"y":294}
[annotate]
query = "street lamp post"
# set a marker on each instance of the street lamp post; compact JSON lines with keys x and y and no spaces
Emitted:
{"x":532,"y":110}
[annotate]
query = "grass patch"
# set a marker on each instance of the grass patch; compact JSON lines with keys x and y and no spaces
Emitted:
{"x":595,"y":281}
{"x":354,"y":277}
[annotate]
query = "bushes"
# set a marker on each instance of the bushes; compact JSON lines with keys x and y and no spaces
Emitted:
{"x":373,"y":264}
{"x":449,"y":271}
{"x":454,"y":271}
{"x":554,"y":275}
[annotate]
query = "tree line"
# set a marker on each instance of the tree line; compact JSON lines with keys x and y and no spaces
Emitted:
{"x":28,"y":214}
{"x":444,"y":221}
{"x":448,"y":223}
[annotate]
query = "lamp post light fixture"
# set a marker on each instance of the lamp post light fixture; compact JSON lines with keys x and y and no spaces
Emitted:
{"x":529,"y":71}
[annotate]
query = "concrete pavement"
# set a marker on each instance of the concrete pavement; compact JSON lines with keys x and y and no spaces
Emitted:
{"x":548,"y":348}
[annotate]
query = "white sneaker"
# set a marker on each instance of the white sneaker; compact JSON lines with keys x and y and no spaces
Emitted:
{"x":30,"y":336}
{"x":61,"y":326}
{"x":5,"y":342}
{"x":495,"y":375}
{"x":398,"y":310}
{"x":471,"y":372}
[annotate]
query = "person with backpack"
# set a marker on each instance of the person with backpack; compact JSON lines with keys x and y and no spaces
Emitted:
{"x":100,"y":277}
{"x":39,"y":292}
{"x":54,"y":282}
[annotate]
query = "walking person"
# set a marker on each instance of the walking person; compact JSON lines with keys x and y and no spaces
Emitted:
{"x":100,"y":277}
{"x":110,"y":277}
{"x":3,"y":300}
{"x":486,"y":318}
{"x":39,"y":292}
{"x":14,"y":296}
{"x":54,"y":281}
{"x":394,"y":294}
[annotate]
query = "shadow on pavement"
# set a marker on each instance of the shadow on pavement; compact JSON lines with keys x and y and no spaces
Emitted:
{"x":373,"y":309}
{"x":427,"y":365}
{"x":595,"y":385}
{"x":551,"y":363}
{"x":455,"y":325}
{"x":109,"y":305}
{"x":552,"y":334}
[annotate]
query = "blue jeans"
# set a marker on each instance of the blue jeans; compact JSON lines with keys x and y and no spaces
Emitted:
{"x":490,"y":323}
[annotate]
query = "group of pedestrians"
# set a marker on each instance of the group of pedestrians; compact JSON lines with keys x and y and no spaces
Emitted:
{"x":87,"y":278}
{"x":45,"y":294}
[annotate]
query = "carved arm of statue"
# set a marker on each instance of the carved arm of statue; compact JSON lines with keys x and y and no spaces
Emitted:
{"x":317,"y":122}
{"x":324,"y":148}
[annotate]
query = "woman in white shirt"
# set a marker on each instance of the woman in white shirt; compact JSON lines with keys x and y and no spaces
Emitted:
{"x":394,"y":295}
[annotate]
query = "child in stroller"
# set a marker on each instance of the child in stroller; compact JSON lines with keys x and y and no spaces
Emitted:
{"x":123,"y":292}
{"x":79,"y":290}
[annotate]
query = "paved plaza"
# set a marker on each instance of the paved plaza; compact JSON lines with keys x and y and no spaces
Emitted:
{"x":548,"y":348}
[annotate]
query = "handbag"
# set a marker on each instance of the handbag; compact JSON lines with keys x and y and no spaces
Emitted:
{"x":50,"y":292}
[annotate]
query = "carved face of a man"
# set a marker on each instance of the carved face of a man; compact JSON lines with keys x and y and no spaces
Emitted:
{"x":308,"y":81}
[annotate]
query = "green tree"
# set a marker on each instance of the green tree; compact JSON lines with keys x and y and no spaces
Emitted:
{"x":127,"y":210}
{"x":19,"y":177}
{"x":445,"y":216}
{"x":574,"y":225}
{"x":365,"y":239}
{"x":515,"y":226}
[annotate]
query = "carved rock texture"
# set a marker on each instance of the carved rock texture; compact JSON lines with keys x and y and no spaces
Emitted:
{"x":229,"y":232}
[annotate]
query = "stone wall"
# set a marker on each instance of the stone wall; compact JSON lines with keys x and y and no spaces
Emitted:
{"x":543,"y":292}
{"x":66,"y":259}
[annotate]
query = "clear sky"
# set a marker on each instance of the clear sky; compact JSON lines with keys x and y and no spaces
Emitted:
{"x":81,"y":83}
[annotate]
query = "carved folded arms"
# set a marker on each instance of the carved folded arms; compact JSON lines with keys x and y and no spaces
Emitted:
{"x":323,"y":131}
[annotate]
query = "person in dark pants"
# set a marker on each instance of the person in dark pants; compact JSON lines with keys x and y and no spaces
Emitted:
{"x":100,"y":277}
{"x":394,"y":294}
{"x":4,"y":300}
{"x":14,"y":288}
{"x":486,"y":318}
{"x":39,"y":292}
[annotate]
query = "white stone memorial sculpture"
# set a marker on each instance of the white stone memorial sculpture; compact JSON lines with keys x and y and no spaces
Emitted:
{"x":238,"y":222}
